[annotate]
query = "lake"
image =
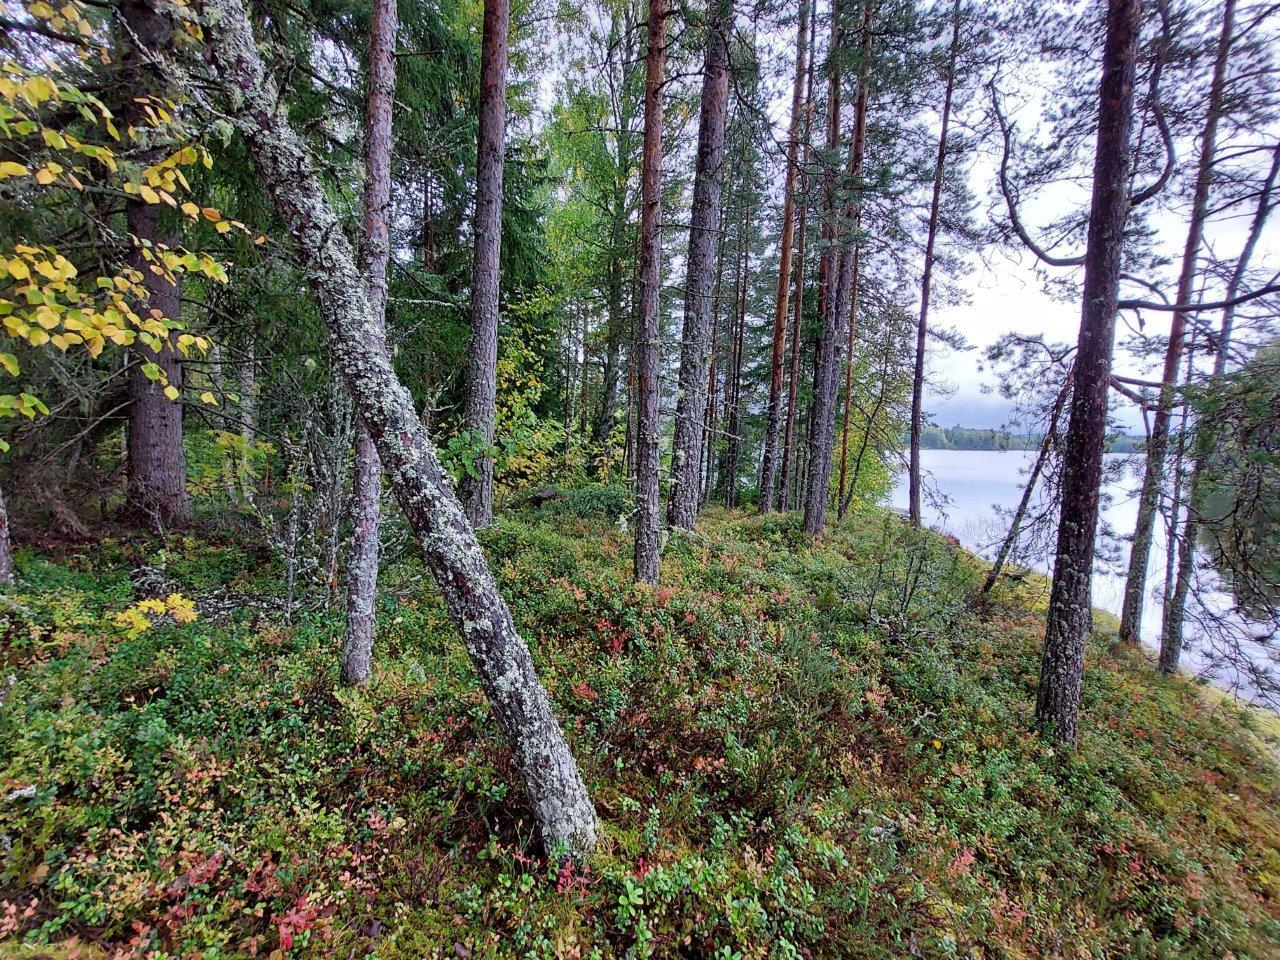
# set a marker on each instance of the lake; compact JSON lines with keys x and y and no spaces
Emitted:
{"x":967,"y":484}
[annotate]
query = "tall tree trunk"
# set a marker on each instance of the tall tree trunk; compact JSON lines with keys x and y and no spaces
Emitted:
{"x":773,"y":410}
{"x":506,"y":672}
{"x":1135,"y":584}
{"x":709,"y":435}
{"x":157,"y":468}
{"x":1171,"y":637}
{"x":922,"y":327}
{"x":1070,"y":613}
{"x":822,"y":410}
{"x":482,"y":354}
{"x":733,"y":371}
{"x":646,"y":552}
{"x":356,"y":662}
{"x":842,"y":501}
{"x":704,"y":227}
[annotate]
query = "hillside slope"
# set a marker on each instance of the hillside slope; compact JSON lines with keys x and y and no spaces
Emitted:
{"x":796,"y":750}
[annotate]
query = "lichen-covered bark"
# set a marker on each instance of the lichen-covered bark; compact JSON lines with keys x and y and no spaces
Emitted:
{"x":704,"y":226}
{"x":646,"y":547}
{"x":482,"y":353}
{"x":157,"y":467}
{"x":356,"y":661}
{"x":773,"y":409}
{"x":6,"y":546}
{"x":1070,"y":613}
{"x":1135,"y":584}
{"x":502,"y":661}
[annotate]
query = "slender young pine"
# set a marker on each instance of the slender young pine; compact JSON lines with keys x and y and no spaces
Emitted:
{"x":646,"y":547}
{"x":482,"y":352}
{"x":356,"y":661}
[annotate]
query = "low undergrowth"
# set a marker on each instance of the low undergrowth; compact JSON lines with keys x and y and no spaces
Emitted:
{"x":796,"y":751}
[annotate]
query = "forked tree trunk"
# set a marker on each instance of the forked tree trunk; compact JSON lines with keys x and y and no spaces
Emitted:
{"x":773,"y":410}
{"x":482,"y":354}
{"x":922,"y":327}
{"x":704,"y":227}
{"x":1176,"y":605}
{"x":1070,"y":614}
{"x":1135,"y":584}
{"x":356,"y":661}
{"x":505,"y":669}
{"x":157,"y":468}
{"x":646,"y":550}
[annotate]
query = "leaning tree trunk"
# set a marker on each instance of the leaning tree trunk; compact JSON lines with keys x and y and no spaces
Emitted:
{"x":773,"y":410}
{"x":646,"y":552}
{"x":356,"y":661}
{"x":704,"y":227}
{"x":1135,"y":584}
{"x":922,"y":327}
{"x":1069,"y":619}
{"x":562,"y":808}
{"x":482,"y":355}
{"x":157,"y":468}
{"x":1176,"y":605}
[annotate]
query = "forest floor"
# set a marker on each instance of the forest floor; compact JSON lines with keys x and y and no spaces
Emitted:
{"x":796,"y":751}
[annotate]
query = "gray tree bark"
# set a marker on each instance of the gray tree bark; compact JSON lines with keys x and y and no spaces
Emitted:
{"x":922,"y":327}
{"x":482,"y":355}
{"x":646,"y":548}
{"x":561,"y":806}
{"x":1135,"y":584}
{"x":773,"y":410}
{"x":1070,"y":613}
{"x":6,"y":546}
{"x":356,"y":661}
{"x":704,"y":227}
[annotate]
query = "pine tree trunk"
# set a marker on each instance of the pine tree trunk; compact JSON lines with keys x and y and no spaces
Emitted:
{"x":157,"y":468}
{"x":1171,"y":638}
{"x":356,"y":661}
{"x":704,"y":227}
{"x":562,"y":808}
{"x":842,"y":502}
{"x":773,"y":410}
{"x":482,"y":356}
{"x":1135,"y":584}
{"x":1070,"y":612}
{"x":733,"y":371}
{"x":646,"y":548}
{"x":922,"y":327}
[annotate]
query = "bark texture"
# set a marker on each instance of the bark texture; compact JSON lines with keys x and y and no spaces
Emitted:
{"x":1135,"y":584}
{"x":562,"y":808}
{"x":6,"y":546}
{"x":699,"y":304}
{"x":482,"y":354}
{"x":922,"y":326}
{"x":647,"y":546}
{"x":356,"y":662}
{"x":157,"y":470}
{"x":773,"y":410}
{"x":1070,"y":614}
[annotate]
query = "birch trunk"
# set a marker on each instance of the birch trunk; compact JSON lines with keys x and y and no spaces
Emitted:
{"x":1070,"y":613}
{"x":561,"y":806}
{"x":1135,"y":584}
{"x":356,"y":661}
{"x":691,"y":402}
{"x":482,"y":355}
{"x":6,"y":546}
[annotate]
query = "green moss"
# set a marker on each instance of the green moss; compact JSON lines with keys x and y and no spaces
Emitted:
{"x":796,"y":750}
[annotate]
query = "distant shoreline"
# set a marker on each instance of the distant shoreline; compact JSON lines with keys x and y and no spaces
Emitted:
{"x":975,"y":438}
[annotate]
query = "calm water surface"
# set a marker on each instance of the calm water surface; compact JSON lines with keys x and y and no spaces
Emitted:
{"x":967,"y":485}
